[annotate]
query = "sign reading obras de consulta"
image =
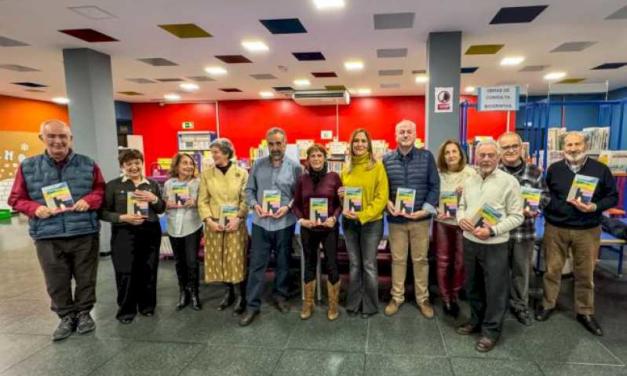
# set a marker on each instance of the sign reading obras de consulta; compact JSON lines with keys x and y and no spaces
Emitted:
{"x":498,"y":98}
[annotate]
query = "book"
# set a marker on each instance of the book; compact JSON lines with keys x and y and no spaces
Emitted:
{"x":486,"y":215}
{"x":405,"y":198}
{"x":227,"y":212}
{"x":352,"y":199}
{"x":271,"y":200}
{"x":135,"y":206}
{"x":179,"y":193}
{"x":449,"y":201}
{"x":58,"y":196}
{"x":582,"y":188}
{"x":318,"y":210}
{"x":531,"y":198}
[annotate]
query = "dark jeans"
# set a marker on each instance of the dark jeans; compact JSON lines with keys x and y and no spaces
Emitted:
{"x":311,"y":245}
{"x":135,"y":256}
{"x":362,"y":242}
{"x":520,"y":254}
{"x":487,"y":285}
{"x":63,"y":259}
{"x":450,"y":260}
{"x":263,"y":242}
{"x":185,"y":251}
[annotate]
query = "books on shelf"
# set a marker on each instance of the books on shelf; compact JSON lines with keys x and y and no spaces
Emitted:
{"x":303,"y":145}
{"x":379,"y":148}
{"x":598,"y":138}
{"x":449,"y":201}
{"x":353,"y":199}
{"x":227,"y":213}
{"x":531,"y":198}
{"x":335,"y":166}
{"x":337,"y":150}
{"x":405,"y":198}
{"x":318,"y":209}
{"x":271,"y":200}
{"x":135,"y":206}
{"x":615,"y":160}
{"x":179,"y":193}
{"x":582,"y":188}
{"x":552,"y":157}
{"x":553,"y":138}
{"x":486,"y":215}
{"x":58,"y":196}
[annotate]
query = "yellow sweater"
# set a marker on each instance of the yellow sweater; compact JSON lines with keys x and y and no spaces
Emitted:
{"x":217,"y":189}
{"x":374,"y":185}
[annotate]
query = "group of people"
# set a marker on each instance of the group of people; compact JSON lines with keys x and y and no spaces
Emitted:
{"x":491,"y":260}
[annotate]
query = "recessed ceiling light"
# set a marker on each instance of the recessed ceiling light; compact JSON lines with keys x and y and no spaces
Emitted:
{"x":470,"y":89}
{"x":421,"y":78}
{"x":554,"y":75}
{"x":512,"y":60}
{"x":364,"y":91}
{"x":266,"y":94}
{"x":215,"y":71}
{"x":302,"y":82}
{"x":354,"y":65}
{"x":329,"y":4}
{"x":60,"y":100}
{"x":188,"y":86}
{"x":255,"y":45}
{"x":172,"y":97}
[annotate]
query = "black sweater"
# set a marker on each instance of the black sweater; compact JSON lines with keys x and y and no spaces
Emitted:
{"x":559,"y":179}
{"x":115,"y":203}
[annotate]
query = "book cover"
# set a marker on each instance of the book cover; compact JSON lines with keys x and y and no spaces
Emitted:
{"x":179,"y":193}
{"x":318,"y":209}
{"x":531,"y":198}
{"x":58,"y":196}
{"x":227,"y":212}
{"x":405,"y":198}
{"x":352,"y":199}
{"x":582,"y":188}
{"x":449,"y":200}
{"x":271,"y":200}
{"x":135,"y":206}
{"x":486,"y":215}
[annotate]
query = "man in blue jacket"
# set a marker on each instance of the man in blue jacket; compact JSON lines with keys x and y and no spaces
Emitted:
{"x":414,"y":172}
{"x":66,"y":239}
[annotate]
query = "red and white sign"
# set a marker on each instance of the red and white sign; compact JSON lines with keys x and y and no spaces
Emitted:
{"x":443,"y":99}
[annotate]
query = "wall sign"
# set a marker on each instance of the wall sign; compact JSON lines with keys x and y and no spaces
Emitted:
{"x":188,"y":125}
{"x":443,"y":99}
{"x":498,"y":98}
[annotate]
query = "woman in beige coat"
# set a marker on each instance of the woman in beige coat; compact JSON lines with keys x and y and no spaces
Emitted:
{"x":222,"y":207}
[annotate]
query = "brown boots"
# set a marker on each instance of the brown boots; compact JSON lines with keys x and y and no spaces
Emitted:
{"x":308,"y":304}
{"x":334,"y":296}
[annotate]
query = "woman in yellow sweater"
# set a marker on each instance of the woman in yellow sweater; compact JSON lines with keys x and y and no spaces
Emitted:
{"x":363,"y":223}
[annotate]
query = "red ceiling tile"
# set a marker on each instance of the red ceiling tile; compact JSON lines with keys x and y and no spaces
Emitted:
{"x":89,"y":35}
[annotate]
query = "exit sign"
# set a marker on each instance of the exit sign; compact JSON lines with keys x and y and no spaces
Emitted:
{"x":188,"y":125}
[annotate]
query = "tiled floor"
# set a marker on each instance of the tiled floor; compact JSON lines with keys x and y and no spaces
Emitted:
{"x":210,"y":342}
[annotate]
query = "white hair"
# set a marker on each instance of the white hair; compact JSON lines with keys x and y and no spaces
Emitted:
{"x":486,"y":143}
{"x":45,"y":123}
{"x":405,"y":122}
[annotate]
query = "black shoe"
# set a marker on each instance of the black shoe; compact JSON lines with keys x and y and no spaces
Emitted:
{"x":126,"y":320}
{"x":183,"y":299}
{"x":228,"y":298}
{"x":66,"y":327}
{"x":467,"y":329}
{"x":282,"y":306}
{"x":591,"y":324}
{"x":196,"y":305}
{"x":85,"y":323}
{"x":451,"y":309}
{"x":248,"y":318}
{"x":240,"y":305}
{"x":544,"y":314}
{"x":523,"y":316}
{"x":147,"y":313}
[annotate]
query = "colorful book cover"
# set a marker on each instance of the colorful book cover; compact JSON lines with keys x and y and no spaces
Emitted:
{"x":582,"y":188}
{"x":352,"y":199}
{"x":449,"y":200}
{"x":227,"y":212}
{"x":318,"y":209}
{"x":179,"y":193}
{"x":271,"y":200}
{"x":58,"y":196}
{"x":531,"y":198}
{"x":135,"y":206}
{"x":405,"y":198}
{"x":486,"y":215}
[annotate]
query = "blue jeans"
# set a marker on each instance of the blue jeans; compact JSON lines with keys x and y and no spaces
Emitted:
{"x":362,"y":242}
{"x":263,"y":242}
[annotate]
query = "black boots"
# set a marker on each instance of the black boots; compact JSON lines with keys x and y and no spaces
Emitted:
{"x":183,"y":299}
{"x":195,"y":299}
{"x":240,"y":299}
{"x":228,"y":299}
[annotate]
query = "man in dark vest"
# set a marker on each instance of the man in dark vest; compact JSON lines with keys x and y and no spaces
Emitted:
{"x":66,"y":239}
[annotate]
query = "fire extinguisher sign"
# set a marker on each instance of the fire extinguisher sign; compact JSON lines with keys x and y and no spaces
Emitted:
{"x":443,"y":99}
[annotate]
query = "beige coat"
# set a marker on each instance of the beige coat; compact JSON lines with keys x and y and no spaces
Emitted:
{"x":217,"y":189}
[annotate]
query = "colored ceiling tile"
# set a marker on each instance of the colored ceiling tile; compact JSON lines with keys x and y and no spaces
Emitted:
{"x":233,"y":59}
{"x":130,"y":93}
{"x":283,"y":88}
{"x":308,"y":56}
{"x":387,"y":21}
{"x":572,"y":46}
{"x":169,"y":79}
{"x":29,"y":84}
{"x":390,"y":72}
{"x":201,"y":78}
{"x":158,"y":62}
{"x":231,"y":90}
{"x":610,"y":66}
{"x":35,"y":91}
{"x":324,"y":74}
{"x":419,"y":71}
{"x":185,"y":31}
{"x":88,"y":35}
{"x":140,"y":80}
{"x":284,"y":26}
{"x":534,"y":68}
{"x":620,"y":14}
{"x":484,"y":49}
{"x":18,"y":68}
{"x":468,"y":70}
{"x":390,"y":86}
{"x":335,"y":87}
{"x":391,"y":52}
{"x":571,"y":81}
{"x":263,"y":76}
{"x":8,"y":42}
{"x":509,"y":15}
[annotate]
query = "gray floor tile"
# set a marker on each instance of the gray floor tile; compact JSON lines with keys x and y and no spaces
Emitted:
{"x":233,"y":361}
{"x":323,"y":363}
{"x":496,"y":367}
{"x":318,"y":333}
{"x":404,"y":335}
{"x":15,"y":348}
{"x":617,"y":347}
{"x":406,"y":365}
{"x":561,"y":369}
{"x":270,"y":329}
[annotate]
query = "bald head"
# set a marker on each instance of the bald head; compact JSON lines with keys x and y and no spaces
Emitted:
{"x":57,"y":136}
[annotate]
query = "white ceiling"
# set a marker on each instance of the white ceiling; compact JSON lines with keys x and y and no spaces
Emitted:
{"x":340,"y":35}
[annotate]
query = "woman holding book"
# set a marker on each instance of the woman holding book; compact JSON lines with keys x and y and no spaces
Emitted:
{"x":317,"y":206}
{"x":222,"y":207}
{"x":132,"y":204}
{"x":184,"y":226}
{"x":365,"y":195}
{"x":447,"y":236}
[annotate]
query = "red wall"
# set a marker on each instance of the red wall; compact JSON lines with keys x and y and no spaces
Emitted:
{"x":487,"y":123}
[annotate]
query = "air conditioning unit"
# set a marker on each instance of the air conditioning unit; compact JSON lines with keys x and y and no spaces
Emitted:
{"x":321,"y":97}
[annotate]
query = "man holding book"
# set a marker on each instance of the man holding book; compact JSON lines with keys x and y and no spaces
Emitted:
{"x":490,"y":207}
{"x":522,"y":238}
{"x":414,"y":188}
{"x":270,"y":192}
{"x":66,"y":238}
{"x":575,"y":223}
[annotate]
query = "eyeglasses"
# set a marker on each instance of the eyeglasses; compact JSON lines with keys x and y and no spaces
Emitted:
{"x":510,"y":147}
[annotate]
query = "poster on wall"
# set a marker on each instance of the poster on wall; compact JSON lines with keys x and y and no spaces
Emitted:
{"x":443,"y":99}
{"x":14,"y":148}
{"x":498,"y":98}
